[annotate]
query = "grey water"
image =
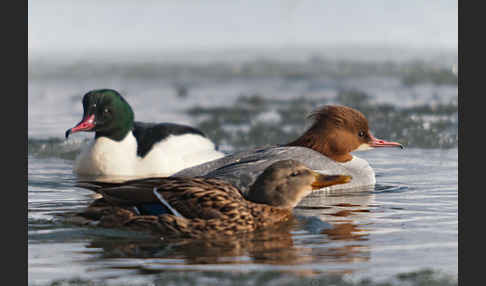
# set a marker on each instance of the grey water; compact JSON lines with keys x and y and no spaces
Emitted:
{"x":407,"y":222}
{"x":248,"y":74}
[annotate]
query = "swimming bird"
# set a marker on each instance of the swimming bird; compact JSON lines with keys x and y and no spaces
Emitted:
{"x":326,"y":146}
{"x":198,"y":207}
{"x":124,"y":147}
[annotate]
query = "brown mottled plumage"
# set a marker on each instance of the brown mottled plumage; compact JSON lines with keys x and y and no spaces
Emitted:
{"x":207,"y":207}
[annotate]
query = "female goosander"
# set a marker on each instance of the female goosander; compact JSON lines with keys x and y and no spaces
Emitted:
{"x":124,"y":147}
{"x":325,"y":146}
{"x":197,"y":207}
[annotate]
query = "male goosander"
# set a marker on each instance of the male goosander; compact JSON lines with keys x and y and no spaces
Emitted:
{"x":325,"y":146}
{"x":124,"y":147}
{"x":197,"y":207}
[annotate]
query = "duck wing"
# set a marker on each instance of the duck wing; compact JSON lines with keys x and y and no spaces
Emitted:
{"x":241,"y":169}
{"x":189,"y":197}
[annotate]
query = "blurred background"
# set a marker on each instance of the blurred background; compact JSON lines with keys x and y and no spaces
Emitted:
{"x":248,"y":72}
{"x":76,"y":29}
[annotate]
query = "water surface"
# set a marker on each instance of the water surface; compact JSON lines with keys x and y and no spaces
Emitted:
{"x":406,"y":223}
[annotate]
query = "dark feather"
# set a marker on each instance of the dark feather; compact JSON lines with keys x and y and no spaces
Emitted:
{"x":210,"y":207}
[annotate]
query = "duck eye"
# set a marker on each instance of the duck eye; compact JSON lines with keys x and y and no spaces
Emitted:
{"x":295,"y":174}
{"x":361,"y":134}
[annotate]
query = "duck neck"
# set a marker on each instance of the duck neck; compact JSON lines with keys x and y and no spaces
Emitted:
{"x":117,"y":134}
{"x":315,"y":139}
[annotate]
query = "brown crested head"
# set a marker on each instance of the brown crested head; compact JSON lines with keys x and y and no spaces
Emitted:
{"x":338,"y":130}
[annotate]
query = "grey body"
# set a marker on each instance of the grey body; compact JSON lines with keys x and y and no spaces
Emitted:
{"x":241,"y":169}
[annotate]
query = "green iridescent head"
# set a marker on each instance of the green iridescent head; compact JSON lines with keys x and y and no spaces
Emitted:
{"x":107,"y":113}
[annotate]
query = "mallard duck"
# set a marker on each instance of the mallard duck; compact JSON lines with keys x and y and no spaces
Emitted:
{"x":124,"y":147}
{"x":199,"y":207}
{"x":326,"y":146}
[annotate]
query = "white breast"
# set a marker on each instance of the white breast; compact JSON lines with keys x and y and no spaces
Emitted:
{"x":104,"y":156}
{"x":361,"y":172}
{"x":178,"y":152}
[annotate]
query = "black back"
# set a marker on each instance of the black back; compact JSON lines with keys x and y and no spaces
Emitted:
{"x":147,"y":134}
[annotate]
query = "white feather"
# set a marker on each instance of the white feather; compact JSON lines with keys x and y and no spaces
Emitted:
{"x":106,"y":157}
{"x":359,"y":169}
{"x":163,"y":201}
{"x":363,"y":147}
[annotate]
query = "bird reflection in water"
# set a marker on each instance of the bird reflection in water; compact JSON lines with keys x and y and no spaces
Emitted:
{"x":288,"y":244}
